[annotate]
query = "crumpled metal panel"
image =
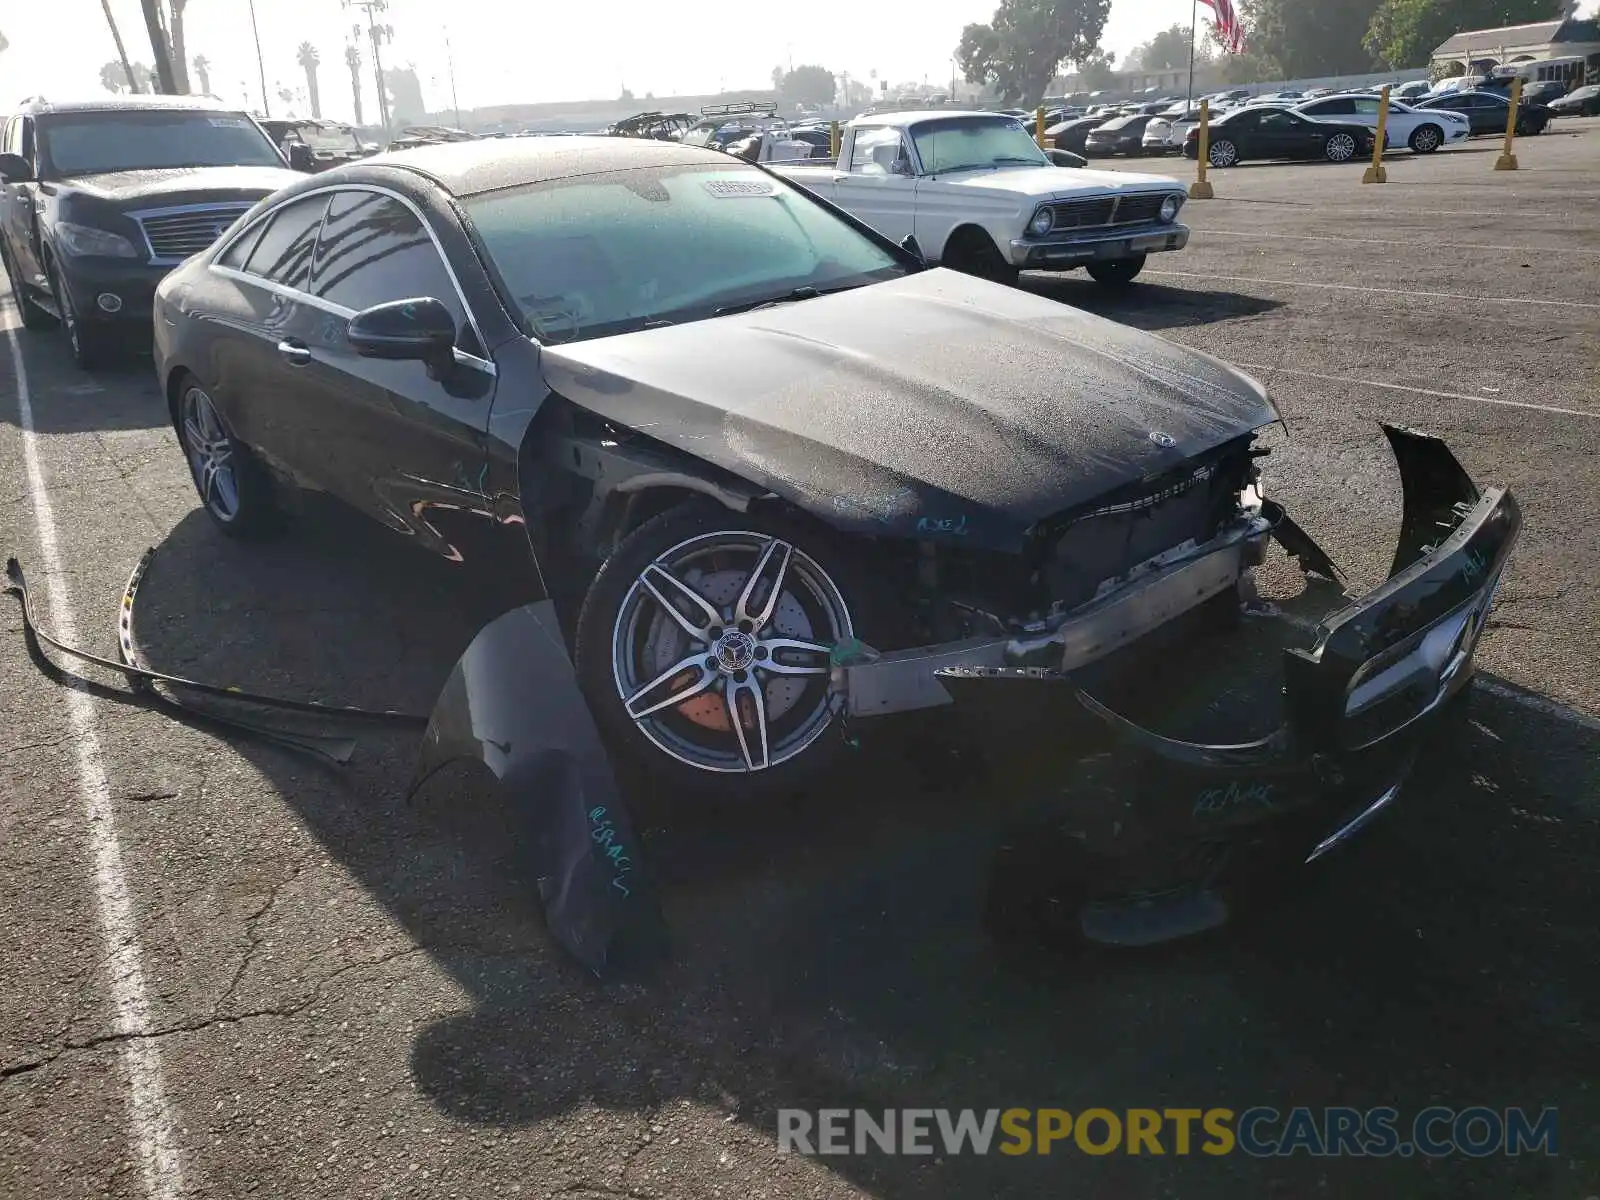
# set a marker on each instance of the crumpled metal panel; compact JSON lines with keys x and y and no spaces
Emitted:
{"x":513,"y":704}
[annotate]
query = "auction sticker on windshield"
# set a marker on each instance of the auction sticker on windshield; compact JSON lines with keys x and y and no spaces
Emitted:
{"x":732,"y":189}
{"x":230,"y":122}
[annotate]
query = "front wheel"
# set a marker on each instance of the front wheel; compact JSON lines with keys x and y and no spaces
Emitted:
{"x":1426,"y":139}
{"x":705,"y":647}
{"x":1340,"y":148}
{"x":973,"y":252}
{"x":1116,"y":272}
{"x":89,"y":344}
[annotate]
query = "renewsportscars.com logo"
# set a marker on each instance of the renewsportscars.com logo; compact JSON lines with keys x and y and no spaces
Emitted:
{"x":1260,"y":1132}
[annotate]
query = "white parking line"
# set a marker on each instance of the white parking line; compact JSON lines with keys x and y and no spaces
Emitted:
{"x":149,"y":1117}
{"x":1419,"y":391}
{"x":1379,"y":291}
{"x":1312,"y":237}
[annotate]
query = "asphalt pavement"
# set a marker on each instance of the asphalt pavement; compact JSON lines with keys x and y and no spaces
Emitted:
{"x":227,"y":970}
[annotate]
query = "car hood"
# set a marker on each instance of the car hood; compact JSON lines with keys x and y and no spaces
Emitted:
{"x":1058,"y":183}
{"x":185,"y":183}
{"x":933,"y":404}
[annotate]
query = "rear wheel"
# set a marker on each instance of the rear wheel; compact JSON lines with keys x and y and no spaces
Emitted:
{"x":1117,"y":272}
{"x":1340,"y":148}
{"x":1425,"y":139}
{"x":973,"y":252}
{"x":705,"y":648}
{"x":234,"y":488}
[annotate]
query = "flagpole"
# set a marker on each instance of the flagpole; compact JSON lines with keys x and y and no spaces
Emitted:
{"x":1194,"y":26}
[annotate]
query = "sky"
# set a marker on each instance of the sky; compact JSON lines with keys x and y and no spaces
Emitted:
{"x":505,"y":53}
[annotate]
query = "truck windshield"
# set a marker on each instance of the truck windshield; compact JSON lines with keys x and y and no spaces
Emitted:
{"x":974,"y":143}
{"x":91,"y":143}
{"x":619,"y":251}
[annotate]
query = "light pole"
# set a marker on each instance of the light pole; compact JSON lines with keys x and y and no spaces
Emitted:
{"x":450,"y":65}
{"x":261,"y":63}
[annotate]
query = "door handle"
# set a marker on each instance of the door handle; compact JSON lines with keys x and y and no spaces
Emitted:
{"x":295,"y":353}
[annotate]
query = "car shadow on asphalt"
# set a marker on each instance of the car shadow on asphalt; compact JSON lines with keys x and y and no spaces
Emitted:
{"x":121,"y":395}
{"x":830,"y":953}
{"x":1149,"y":306}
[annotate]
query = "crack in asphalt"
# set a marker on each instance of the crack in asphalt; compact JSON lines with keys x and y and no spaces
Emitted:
{"x":253,"y":937}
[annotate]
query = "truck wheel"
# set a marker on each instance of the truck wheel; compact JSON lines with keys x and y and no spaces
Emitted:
{"x":973,"y":252}
{"x":33,"y":317}
{"x":1117,"y":272}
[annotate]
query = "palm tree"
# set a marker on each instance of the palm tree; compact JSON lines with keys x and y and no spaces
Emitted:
{"x":352,"y":59}
{"x":202,"y":68}
{"x":180,"y":59}
{"x":122,"y":51}
{"x":309,"y":61}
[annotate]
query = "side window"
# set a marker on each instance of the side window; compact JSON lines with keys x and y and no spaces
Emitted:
{"x":238,"y":254}
{"x":283,"y":251}
{"x":875,"y":151}
{"x":1367,"y":108}
{"x":12,"y":137}
{"x":375,"y":249}
{"x":1337,"y":108}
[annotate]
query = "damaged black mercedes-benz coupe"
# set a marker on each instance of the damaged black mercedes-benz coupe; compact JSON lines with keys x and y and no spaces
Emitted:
{"x":788,"y":476}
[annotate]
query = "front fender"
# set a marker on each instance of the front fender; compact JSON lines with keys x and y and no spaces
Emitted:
{"x":512,"y":703}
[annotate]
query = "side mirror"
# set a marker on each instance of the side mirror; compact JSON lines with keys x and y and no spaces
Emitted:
{"x":419,"y":330}
{"x":1066,"y":158}
{"x":301,"y":158}
{"x":15,"y":169}
{"x":911,"y":246}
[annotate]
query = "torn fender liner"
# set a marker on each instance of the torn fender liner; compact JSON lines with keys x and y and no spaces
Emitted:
{"x":512,"y":703}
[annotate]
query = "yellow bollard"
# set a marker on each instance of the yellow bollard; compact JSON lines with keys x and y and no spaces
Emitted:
{"x":1376,"y":172}
{"x":1201,"y":188}
{"x":1507,"y":160}
{"x":1038,"y":128}
{"x":833,"y":141}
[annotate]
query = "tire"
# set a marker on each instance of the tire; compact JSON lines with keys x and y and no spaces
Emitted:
{"x":676,"y":723}
{"x":89,"y":345}
{"x":1117,"y":272}
{"x":973,"y":252}
{"x":1425,"y":139}
{"x":1341,"y":147}
{"x":1223,"y":154}
{"x":33,"y":317}
{"x":235,"y":490}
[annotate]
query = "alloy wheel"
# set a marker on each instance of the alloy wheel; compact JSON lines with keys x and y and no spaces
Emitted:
{"x":722,"y":651}
{"x":1341,"y":147}
{"x":1224,"y":154}
{"x":1426,"y":140}
{"x":211,"y":455}
{"x":69,"y":315}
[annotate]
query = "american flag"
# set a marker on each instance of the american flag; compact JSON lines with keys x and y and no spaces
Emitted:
{"x":1228,"y":26}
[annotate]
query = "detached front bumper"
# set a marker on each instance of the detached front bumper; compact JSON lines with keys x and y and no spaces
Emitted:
{"x":1064,"y":253}
{"x":1356,"y":700}
{"x":127,"y":286}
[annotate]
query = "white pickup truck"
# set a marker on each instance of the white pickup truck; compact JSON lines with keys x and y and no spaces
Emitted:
{"x":977,"y":194}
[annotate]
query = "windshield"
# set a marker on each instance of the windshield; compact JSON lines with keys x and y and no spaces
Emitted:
{"x":969,"y":143}
{"x":88,"y":143}
{"x":622,"y":250}
{"x":338,"y":140}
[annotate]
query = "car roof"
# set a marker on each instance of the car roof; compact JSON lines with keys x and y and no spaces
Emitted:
{"x":141,"y":103}
{"x":912,"y":116}
{"x":488,"y":164}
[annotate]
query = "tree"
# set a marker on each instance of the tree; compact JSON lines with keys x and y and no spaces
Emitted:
{"x":807,"y":85}
{"x":1404,"y":33}
{"x":114,"y":77}
{"x":1310,"y":40}
{"x":777,"y":79}
{"x":1098,"y":72}
{"x":309,"y":61}
{"x":1022,"y":47}
{"x":202,"y":68}
{"x":352,"y":59}
{"x":155,"y":27}
{"x":122,"y":51}
{"x":1169,"y":51}
{"x":180,"y":57}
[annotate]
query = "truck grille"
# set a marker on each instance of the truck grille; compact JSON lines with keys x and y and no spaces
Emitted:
{"x":1107,"y":211}
{"x":177,"y":234}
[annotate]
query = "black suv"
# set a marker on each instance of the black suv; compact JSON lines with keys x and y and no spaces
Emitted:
{"x":102,"y":198}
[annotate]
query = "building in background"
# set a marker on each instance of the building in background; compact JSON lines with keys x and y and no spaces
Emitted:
{"x":1480,"y":51}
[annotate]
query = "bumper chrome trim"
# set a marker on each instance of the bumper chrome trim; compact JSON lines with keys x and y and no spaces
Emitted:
{"x":1355,"y":825}
{"x":1152,"y":238}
